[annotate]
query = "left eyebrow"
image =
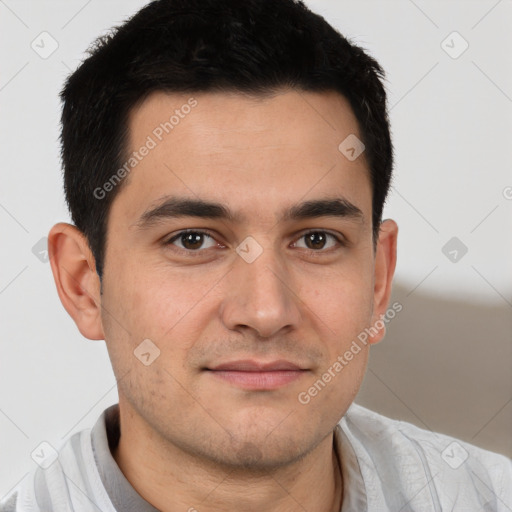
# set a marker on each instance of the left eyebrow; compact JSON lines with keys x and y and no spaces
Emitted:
{"x":174,"y":207}
{"x":339,"y":207}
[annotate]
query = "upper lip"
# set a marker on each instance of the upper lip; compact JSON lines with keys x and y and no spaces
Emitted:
{"x":249,"y":365}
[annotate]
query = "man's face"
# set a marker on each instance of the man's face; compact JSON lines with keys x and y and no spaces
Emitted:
{"x":282,"y":296}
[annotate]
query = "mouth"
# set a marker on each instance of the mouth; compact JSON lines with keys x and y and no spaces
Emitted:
{"x":257,"y":375}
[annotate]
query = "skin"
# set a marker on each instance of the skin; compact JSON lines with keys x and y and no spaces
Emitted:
{"x":189,"y":439}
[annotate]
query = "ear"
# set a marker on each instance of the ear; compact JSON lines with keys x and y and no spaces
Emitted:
{"x":78,"y":284}
{"x":385,"y":262}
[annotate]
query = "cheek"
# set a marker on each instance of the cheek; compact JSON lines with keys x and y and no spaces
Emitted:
{"x":137,"y":309}
{"x":331,"y":390}
{"x":341,"y":298}
{"x":151,"y":302}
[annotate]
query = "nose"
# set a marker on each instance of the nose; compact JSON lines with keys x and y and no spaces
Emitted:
{"x":260,"y":296}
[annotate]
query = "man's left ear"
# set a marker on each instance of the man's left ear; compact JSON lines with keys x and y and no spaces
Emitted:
{"x":385,"y":262}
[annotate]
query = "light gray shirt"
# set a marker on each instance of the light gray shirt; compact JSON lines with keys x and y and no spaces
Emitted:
{"x":387,"y":466}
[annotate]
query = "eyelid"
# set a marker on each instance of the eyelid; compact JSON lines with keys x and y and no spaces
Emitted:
{"x":340,"y":239}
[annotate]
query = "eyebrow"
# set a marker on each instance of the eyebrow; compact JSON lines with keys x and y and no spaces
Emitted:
{"x":176,"y":207}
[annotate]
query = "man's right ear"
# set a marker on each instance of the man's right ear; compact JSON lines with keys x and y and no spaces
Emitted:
{"x":74,"y":272}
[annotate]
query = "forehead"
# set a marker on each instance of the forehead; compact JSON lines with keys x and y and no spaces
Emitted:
{"x":253,"y":153}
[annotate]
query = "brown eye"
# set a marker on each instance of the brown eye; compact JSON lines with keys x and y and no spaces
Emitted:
{"x":315,"y":240}
{"x":191,"y":240}
{"x":318,"y":240}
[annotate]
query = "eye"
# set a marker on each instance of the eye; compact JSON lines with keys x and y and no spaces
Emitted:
{"x":318,"y":240}
{"x":191,"y":240}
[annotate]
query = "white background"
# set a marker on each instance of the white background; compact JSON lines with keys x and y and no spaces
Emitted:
{"x":445,"y":364}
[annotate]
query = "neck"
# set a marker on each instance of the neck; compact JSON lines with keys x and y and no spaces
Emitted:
{"x":173,"y":480}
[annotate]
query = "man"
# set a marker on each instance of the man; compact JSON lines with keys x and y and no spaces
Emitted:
{"x":226,"y":165}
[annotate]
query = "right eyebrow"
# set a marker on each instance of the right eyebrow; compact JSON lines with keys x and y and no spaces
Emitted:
{"x":173,"y":207}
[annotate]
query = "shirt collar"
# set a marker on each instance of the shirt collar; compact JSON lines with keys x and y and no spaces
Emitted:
{"x":105,"y":437}
{"x":106,"y":433}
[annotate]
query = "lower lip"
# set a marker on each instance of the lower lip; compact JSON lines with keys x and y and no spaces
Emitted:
{"x":259,"y":380}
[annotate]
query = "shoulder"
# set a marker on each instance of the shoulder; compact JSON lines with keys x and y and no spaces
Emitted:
{"x":70,"y":478}
{"x":47,"y":483}
{"x":447,"y":471}
{"x":9,"y":503}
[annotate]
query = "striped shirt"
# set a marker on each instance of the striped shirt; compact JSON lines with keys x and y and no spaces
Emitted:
{"x":387,"y":466}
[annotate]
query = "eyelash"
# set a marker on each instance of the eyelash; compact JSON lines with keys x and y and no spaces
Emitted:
{"x":341,"y":242}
